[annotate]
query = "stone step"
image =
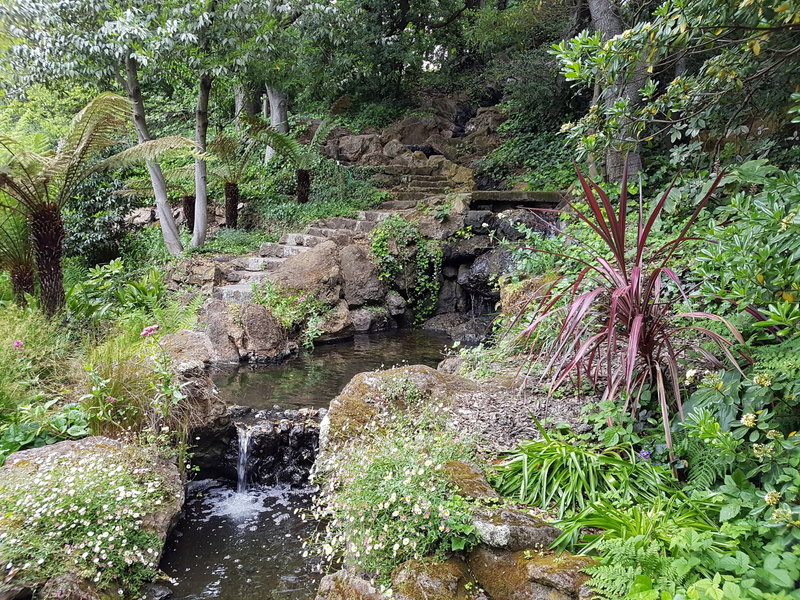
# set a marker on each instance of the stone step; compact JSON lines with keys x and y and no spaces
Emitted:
{"x":398,"y":204}
{"x":407,"y":196}
{"x":273,"y":250}
{"x":323,"y":232}
{"x":374,"y":215}
{"x":429,"y":185}
{"x":238,"y":292}
{"x":247,"y":276}
{"x":406,"y":170}
{"x":409,"y":178}
{"x":256,"y":263}
{"x":301,"y":239}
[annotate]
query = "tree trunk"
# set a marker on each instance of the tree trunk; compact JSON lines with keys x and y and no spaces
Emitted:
{"x":278,"y":115}
{"x":200,"y":168}
{"x":168,"y":227}
{"x":303,"y":185}
{"x":231,"y":204}
{"x":607,"y":22}
{"x":240,"y":100}
{"x":47,"y":233}
{"x":22,"y":280}
{"x":188,"y":211}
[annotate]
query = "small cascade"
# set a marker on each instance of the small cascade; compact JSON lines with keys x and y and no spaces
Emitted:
{"x":244,"y":433}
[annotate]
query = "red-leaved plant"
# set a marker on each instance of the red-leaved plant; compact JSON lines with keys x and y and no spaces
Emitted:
{"x":618,"y":325}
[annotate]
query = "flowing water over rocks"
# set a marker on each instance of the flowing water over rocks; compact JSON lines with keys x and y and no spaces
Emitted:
{"x":240,"y":537}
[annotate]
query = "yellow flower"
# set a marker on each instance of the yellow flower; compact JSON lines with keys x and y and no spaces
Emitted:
{"x":772,"y":498}
{"x":748,"y":420}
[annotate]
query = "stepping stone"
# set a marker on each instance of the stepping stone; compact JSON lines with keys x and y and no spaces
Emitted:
{"x":239,"y":292}
{"x":374,"y":215}
{"x":409,"y":196}
{"x":273,"y":250}
{"x":429,"y":185}
{"x":301,"y":239}
{"x":405,"y":170}
{"x":339,"y":223}
{"x":247,"y":276}
{"x":365,"y":226}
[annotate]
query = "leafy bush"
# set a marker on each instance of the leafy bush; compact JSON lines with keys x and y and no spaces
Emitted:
{"x":384,"y":496}
{"x":234,"y":241}
{"x":555,"y":474}
{"x":754,"y":260}
{"x":409,"y":261}
{"x":82,"y":512}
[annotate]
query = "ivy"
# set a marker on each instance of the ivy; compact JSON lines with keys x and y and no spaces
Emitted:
{"x":410,"y":262}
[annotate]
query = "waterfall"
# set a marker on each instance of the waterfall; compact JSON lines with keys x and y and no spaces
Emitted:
{"x":244,"y":433}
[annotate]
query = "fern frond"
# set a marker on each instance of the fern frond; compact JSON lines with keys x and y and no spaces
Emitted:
{"x":150,"y":151}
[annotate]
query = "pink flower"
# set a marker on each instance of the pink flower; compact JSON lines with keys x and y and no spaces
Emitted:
{"x":148,"y":331}
{"x":110,"y":399}
{"x":301,"y":299}
{"x":18,"y":345}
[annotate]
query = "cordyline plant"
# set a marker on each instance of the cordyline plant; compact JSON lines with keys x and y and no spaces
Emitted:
{"x":618,"y":325}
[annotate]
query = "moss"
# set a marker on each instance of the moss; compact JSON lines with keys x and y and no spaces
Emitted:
{"x":469,"y":480}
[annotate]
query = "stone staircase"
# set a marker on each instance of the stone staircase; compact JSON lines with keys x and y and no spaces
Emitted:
{"x":247,"y":270}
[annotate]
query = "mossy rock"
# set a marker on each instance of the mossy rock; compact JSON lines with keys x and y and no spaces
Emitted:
{"x":433,"y":580}
{"x":470,"y":480}
{"x":346,"y":586}
{"x":530,"y":575}
{"x":369,"y":394}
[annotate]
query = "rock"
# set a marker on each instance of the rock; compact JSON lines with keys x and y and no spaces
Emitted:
{"x":141,"y":216}
{"x":362,"y":282}
{"x":225,"y":335}
{"x":15,"y":592}
{"x":346,"y":586}
{"x":154,"y":591}
{"x":509,"y":528}
{"x":470,"y":480}
{"x":394,"y":148}
{"x":352,"y":147}
{"x":461,"y":327}
{"x":371,"y":319}
{"x":187,"y":347}
{"x":439,"y":229}
{"x":315,"y":271}
{"x":264,"y":338}
{"x":159,"y":520}
{"x":395,"y":304}
{"x":337,"y":324}
{"x":441,"y":145}
{"x":364,"y":397}
{"x":466,"y":249}
{"x":451,"y":365}
{"x":509,"y":575}
{"x":481,"y":277}
{"x":198,"y":271}
{"x":431,"y":580}
{"x":451,"y":298}
{"x":413,"y":131}
{"x":507,"y":222}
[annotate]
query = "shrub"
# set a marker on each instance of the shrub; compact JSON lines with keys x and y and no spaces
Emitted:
{"x":82,"y":512}
{"x":409,"y":261}
{"x":753,"y":260}
{"x":295,"y":310}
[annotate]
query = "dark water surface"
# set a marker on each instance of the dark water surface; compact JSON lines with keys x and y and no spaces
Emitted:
{"x":248,"y":546}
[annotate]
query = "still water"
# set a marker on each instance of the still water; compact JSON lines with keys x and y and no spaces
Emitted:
{"x":246,"y":545}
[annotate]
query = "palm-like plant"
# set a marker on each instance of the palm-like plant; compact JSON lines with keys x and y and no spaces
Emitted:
{"x":228,"y":157}
{"x":618,"y":324}
{"x":15,"y":254}
{"x":41,"y":183}
{"x":303,"y":158}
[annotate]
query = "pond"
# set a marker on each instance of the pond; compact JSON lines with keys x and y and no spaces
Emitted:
{"x":242,"y":545}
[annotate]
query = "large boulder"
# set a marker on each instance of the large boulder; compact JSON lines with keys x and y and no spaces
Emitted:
{"x":223,"y":332}
{"x":509,"y":528}
{"x":362,"y":282}
{"x":72,"y":584}
{"x":481,"y":277}
{"x":352,"y":147}
{"x":315,"y":271}
{"x":197,"y":271}
{"x":189,"y":351}
{"x":369,"y":394}
{"x":414,"y":131}
{"x":264,"y":338}
{"x":530,"y":575}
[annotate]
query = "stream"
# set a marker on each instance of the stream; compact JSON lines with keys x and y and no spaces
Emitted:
{"x":238,"y":542}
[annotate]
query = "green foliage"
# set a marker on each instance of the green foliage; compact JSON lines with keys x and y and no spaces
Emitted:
{"x":410,"y":262}
{"x":754,"y":260}
{"x":234,"y":241}
{"x":384,"y":496}
{"x":296,"y":311}
{"x":555,"y":474}
{"x":108,"y":293}
{"x":83,"y":513}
